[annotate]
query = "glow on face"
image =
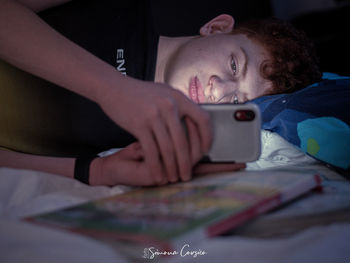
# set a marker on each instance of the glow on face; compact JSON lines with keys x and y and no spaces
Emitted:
{"x":218,"y":69}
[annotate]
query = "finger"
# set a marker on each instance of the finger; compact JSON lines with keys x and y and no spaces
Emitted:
{"x":217,"y":168}
{"x":203,"y":123}
{"x":133,"y":173}
{"x":194,"y":140}
{"x":152,"y":157}
{"x":132,"y":151}
{"x":167,"y":151}
{"x":130,"y":170}
{"x":181,"y":145}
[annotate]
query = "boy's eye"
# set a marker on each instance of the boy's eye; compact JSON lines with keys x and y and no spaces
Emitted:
{"x":233,"y":66}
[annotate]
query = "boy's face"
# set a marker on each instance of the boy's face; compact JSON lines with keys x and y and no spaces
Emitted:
{"x":218,"y":68}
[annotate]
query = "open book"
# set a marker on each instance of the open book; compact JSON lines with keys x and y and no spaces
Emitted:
{"x":170,"y":216}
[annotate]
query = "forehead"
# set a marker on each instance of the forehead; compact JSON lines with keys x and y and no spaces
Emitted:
{"x":251,"y":47}
{"x":236,"y":44}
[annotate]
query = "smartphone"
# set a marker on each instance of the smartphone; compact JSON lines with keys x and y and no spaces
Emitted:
{"x":237,"y":129}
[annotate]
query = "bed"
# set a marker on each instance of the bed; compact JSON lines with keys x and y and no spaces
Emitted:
{"x":315,"y":228}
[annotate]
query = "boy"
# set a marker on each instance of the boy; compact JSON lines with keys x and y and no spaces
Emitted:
{"x":217,"y":66}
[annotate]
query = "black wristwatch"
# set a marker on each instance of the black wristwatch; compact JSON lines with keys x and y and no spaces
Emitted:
{"x":82,"y":168}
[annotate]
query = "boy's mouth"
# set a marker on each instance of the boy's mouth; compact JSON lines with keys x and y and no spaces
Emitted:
{"x":195,"y":90}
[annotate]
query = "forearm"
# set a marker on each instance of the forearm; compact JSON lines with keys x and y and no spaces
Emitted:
{"x":54,"y":165}
{"x":40,"y":5}
{"x":29,"y":43}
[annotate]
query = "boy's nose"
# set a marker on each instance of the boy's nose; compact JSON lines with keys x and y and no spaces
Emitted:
{"x":220,"y":88}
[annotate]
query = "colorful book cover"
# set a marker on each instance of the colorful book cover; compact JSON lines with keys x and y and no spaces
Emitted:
{"x":169,"y":216}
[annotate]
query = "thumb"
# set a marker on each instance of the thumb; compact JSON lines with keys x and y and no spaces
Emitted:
{"x":133,"y":152}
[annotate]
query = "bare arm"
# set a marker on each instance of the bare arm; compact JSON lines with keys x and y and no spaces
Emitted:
{"x":151,"y":112}
{"x":29,"y":43}
{"x":40,"y":5}
{"x":59,"y":166}
{"x":125,"y":167}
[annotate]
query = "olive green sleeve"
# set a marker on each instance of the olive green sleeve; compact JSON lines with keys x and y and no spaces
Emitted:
{"x":39,"y":117}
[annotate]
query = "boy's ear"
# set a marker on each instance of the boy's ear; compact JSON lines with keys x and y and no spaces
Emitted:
{"x":220,"y":24}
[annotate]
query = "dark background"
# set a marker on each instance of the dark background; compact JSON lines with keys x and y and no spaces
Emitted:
{"x":187,"y":16}
{"x":329,"y":30}
{"x":326,"y":22}
{"x":327,"y":26}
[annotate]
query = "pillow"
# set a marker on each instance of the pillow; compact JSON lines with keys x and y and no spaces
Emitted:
{"x":316,"y":119}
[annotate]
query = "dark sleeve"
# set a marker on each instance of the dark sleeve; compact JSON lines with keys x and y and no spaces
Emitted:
{"x":39,"y":117}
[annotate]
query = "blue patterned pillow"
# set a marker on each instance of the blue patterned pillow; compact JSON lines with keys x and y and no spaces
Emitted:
{"x":316,"y":119}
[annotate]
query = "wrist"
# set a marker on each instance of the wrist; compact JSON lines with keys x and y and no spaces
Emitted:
{"x":96,"y":175}
{"x":82,"y":169}
{"x":114,"y":86}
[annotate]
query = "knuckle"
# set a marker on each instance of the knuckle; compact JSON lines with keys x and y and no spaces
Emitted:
{"x":168,"y":104}
{"x":152,"y":113}
{"x":176,"y":93}
{"x":159,"y":180}
{"x":157,"y":175}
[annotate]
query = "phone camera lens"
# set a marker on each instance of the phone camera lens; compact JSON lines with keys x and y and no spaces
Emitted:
{"x":244,"y":115}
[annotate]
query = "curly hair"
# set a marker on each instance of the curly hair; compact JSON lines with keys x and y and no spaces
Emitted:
{"x":292,"y":63}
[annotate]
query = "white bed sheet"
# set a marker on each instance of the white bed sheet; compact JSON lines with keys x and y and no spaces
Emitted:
{"x":25,"y":193}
